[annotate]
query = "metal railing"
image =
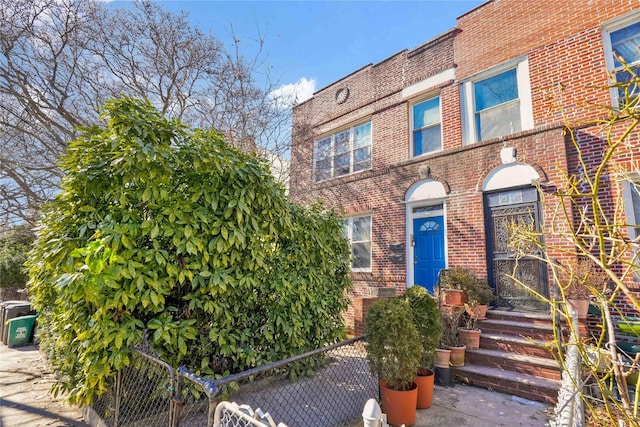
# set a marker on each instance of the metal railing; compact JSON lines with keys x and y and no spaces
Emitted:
{"x":323,"y":387}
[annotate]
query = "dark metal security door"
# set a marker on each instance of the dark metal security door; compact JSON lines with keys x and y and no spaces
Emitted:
{"x":503,"y":209}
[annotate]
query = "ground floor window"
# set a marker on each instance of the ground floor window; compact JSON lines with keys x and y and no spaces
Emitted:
{"x":358,"y":231}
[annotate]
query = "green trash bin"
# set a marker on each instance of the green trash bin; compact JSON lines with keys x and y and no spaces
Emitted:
{"x":20,"y":330}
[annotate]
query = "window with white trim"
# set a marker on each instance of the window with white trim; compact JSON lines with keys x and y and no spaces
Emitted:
{"x":622,"y":43}
{"x":497,"y":103}
{"x":342,"y":153}
{"x":427,"y":131}
{"x":358,"y":231}
{"x":631,"y":197}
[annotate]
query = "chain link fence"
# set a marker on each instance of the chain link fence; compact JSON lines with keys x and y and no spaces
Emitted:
{"x":324,"y":387}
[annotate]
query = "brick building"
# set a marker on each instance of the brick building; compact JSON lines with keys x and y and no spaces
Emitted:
{"x":430,"y":153}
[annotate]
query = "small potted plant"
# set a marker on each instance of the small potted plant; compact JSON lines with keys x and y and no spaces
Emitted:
{"x":470,"y":333}
{"x":453,"y":282}
{"x":426,"y":319}
{"x":451,"y":340}
{"x":578,"y":277}
{"x":393,"y":353}
{"x":479,"y":296}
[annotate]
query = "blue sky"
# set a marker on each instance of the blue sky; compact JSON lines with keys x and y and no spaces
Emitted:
{"x":322,"y":41}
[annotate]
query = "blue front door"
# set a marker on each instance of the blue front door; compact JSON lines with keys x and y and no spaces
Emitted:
{"x":428,"y":251}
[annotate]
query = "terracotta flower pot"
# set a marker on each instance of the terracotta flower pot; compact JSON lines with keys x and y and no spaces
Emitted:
{"x":480,"y":311}
{"x":471,"y":338}
{"x":442,"y":358}
{"x":454,"y":297}
{"x":424,"y":381}
{"x":400,"y":406}
{"x":579,"y":305}
{"x":457,"y":355}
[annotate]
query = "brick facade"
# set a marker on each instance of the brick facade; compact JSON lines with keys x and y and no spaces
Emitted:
{"x":563,"y":43}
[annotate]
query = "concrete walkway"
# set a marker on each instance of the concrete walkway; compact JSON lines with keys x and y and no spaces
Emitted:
{"x":25,"y":381}
{"x":462,"y":405}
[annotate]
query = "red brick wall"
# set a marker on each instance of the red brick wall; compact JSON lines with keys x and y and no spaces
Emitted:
{"x":563,"y":42}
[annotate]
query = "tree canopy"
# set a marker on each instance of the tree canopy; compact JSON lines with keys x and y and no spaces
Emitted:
{"x":62,"y":59}
{"x":166,"y":228}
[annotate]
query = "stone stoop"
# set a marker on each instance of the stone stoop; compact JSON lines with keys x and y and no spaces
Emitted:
{"x":515,"y":356}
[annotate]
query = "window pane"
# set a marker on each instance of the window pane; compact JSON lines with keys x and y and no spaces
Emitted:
{"x":342,"y":164}
{"x":427,"y":140}
{"x":323,"y":147}
{"x":323,"y":169}
{"x":361,"y":229}
{"x":426,"y":113}
{"x":635,"y":197}
{"x":362,"y":159}
{"x":626,"y":43}
{"x":498,"y":121}
{"x":361,"y":255}
{"x":362,"y":135}
{"x":625,"y":76}
{"x":342,"y":142}
{"x":496,"y":90}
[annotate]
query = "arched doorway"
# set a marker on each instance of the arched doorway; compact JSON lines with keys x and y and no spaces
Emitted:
{"x":426,"y":233}
{"x":510,"y":198}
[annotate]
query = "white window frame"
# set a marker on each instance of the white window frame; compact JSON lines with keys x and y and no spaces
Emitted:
{"x":332,"y":153}
{"x":467,"y":98}
{"x":607,"y":29}
{"x":633,"y":223}
{"x":413,"y":130}
{"x":349,"y":232}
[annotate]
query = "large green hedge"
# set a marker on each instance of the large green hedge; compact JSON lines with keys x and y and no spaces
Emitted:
{"x":168,"y":229}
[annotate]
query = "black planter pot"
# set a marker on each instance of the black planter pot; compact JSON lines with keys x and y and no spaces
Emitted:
{"x":442,"y":376}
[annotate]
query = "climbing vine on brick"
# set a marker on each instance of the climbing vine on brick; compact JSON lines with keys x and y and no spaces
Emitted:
{"x":168,"y":229}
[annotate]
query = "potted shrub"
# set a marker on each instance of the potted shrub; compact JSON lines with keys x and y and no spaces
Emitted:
{"x":479,"y":296}
{"x":453,"y":283}
{"x":426,"y":319}
{"x":470,"y":333}
{"x":393,"y":353}
{"x":577,"y":277}
{"x":451,"y":340}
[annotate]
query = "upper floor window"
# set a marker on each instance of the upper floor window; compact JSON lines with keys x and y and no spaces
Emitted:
{"x":623,"y":42}
{"x":631,"y":196}
{"x":358,"y":231}
{"x":427,"y":132}
{"x":342,"y":153}
{"x":497,"y":103}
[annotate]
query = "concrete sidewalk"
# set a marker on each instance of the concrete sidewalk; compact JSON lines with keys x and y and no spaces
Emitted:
{"x":25,"y":381}
{"x":462,"y":405}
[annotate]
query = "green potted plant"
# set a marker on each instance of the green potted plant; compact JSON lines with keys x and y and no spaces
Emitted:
{"x":393,"y":353}
{"x":453,"y":282}
{"x":451,"y":340}
{"x":578,"y":277}
{"x":470,"y":333}
{"x":479,"y":296}
{"x":426,"y":318}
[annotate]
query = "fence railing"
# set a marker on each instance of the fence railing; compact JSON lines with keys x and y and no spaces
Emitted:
{"x":324,"y":387}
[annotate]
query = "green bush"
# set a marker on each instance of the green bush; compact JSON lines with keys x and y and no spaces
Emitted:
{"x":426,"y":318}
{"x":393,"y":343}
{"x":14,"y":246}
{"x":168,"y":229}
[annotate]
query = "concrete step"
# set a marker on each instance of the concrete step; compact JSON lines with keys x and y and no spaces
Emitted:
{"x":537,"y":366}
{"x":518,"y":345}
{"x":517,"y":328}
{"x":518,"y":384}
{"x":532,"y":317}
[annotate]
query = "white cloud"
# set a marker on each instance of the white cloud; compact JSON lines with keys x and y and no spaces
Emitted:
{"x":286,"y":96}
